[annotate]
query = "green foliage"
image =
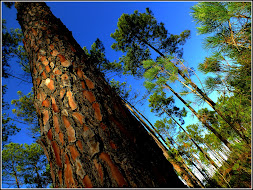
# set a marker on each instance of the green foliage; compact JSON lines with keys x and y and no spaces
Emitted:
{"x":10,"y":44}
{"x":152,"y":72}
{"x":148,"y":63}
{"x":160,"y":104}
{"x":137,"y":33}
{"x":34,"y":167}
{"x":229,"y":27}
{"x":25,"y":112}
{"x":149,"y":85}
{"x":27,"y":163}
{"x":8,"y":128}
{"x":97,"y":57}
{"x":121,"y":88}
{"x":165,"y":127}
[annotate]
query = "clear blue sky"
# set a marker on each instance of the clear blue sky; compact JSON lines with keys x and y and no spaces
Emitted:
{"x":91,"y":20}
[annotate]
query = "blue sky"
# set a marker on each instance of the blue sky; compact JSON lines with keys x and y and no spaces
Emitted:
{"x":91,"y":20}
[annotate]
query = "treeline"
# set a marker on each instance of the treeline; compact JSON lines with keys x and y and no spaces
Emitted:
{"x":215,"y":151}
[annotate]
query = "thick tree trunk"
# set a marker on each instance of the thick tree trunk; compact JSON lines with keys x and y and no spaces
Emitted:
{"x":89,"y":137}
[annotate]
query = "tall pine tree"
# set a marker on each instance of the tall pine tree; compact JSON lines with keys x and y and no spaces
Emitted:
{"x":88,"y":136}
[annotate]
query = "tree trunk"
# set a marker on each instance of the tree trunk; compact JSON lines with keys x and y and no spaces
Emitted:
{"x":38,"y":178}
{"x":193,"y":141}
{"x":15,"y":174}
{"x":88,"y":135}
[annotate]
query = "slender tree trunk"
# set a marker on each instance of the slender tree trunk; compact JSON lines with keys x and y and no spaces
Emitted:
{"x":201,"y":119}
{"x":88,"y":135}
{"x":193,"y":141}
{"x":38,"y":178}
{"x":15,"y":174}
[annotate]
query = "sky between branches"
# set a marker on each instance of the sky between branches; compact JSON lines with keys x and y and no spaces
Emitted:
{"x":91,"y":20}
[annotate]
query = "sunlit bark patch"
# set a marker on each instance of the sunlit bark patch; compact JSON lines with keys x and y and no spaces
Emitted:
{"x":99,"y":169}
{"x":60,"y":176}
{"x":114,"y":170}
{"x":46,"y":103}
{"x":61,"y":137}
{"x":62,"y":92}
{"x":54,"y":105}
{"x":54,"y":52}
{"x":42,"y":58}
{"x":89,"y":96}
{"x":79,"y":169}
{"x":79,"y":117}
{"x":83,"y":84}
{"x":79,"y":73}
{"x":49,"y":83}
{"x":68,"y":173}
{"x":38,"y":80}
{"x":85,"y":128}
{"x":56,"y":124}
{"x":45,"y":116}
{"x":79,"y":144}
{"x":57,"y":71}
{"x":43,"y":74}
{"x":87,"y":182}
{"x":64,"y":61}
{"x":57,"y":153}
{"x":89,"y":83}
{"x":74,"y":153}
{"x":51,"y":46}
{"x":50,"y":135}
{"x":96,"y":107}
{"x":47,"y":68}
{"x":71,"y":100}
{"x":45,"y":62}
{"x":69,"y":128}
{"x":52,"y":172}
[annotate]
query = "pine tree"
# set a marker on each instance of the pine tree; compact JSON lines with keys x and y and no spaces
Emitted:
{"x":88,"y":136}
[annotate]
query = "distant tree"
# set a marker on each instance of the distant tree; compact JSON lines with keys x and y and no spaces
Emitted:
{"x":34,"y":167}
{"x":139,"y":33}
{"x":10,"y":45}
{"x":8,"y":129}
{"x":26,"y":113}
{"x":96,"y":56}
{"x":26,"y":163}
{"x":12,"y":156}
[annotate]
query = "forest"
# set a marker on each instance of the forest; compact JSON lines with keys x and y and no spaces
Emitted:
{"x":171,"y":123}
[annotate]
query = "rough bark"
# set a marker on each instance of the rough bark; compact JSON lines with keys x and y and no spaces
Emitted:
{"x":89,"y":137}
